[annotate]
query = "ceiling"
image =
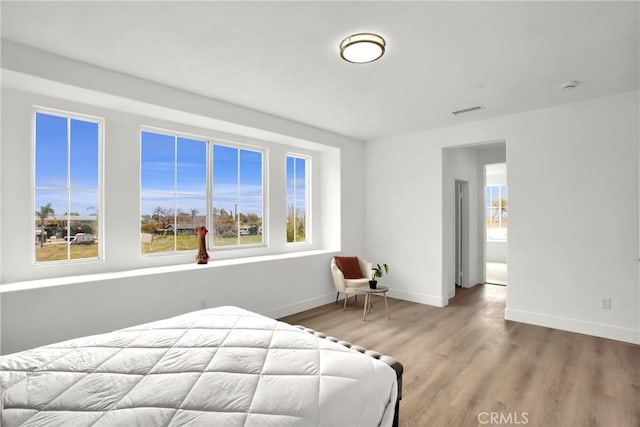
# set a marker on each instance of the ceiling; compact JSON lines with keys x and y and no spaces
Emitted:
{"x":282,"y":57}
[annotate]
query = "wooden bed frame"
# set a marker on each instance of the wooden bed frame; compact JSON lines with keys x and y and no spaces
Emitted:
{"x":393,"y":363}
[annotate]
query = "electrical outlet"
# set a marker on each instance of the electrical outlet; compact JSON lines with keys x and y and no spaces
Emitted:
{"x":605,"y":303}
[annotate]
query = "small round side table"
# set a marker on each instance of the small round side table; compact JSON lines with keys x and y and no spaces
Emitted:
{"x":367,"y":300}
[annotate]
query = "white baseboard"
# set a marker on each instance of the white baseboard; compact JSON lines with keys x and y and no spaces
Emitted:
{"x":419,"y":297}
{"x":573,"y":325}
{"x":297,"y":307}
{"x":308,"y":304}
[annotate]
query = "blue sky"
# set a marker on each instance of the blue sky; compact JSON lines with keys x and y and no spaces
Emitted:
{"x":175,"y":165}
{"x":170,"y":166}
{"x":296,"y":187}
{"x":52,"y":164}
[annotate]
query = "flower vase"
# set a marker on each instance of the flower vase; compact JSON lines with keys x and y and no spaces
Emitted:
{"x":203,"y":256}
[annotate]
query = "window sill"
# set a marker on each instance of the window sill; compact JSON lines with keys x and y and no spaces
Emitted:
{"x":98,"y":277}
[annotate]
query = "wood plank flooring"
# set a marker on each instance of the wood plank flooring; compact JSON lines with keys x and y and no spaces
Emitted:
{"x":465,"y":361}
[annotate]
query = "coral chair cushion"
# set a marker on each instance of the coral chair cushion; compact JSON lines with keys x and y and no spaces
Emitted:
{"x":349,"y":266}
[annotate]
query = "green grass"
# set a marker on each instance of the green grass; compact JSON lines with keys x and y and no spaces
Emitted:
{"x":190,"y":242}
{"x":58,"y":252}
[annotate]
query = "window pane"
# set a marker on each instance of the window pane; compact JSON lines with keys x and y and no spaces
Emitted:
{"x":495,"y":192}
{"x":225,"y":171}
{"x":157,"y":162}
{"x":237,"y":196}
{"x":83,"y":225}
{"x":493,"y":217}
{"x":300,"y":222}
{"x":296,"y":199}
{"x":192,"y":213}
{"x":250,"y":173}
{"x":250,"y":211}
{"x":300,"y":179}
{"x":51,"y":151}
{"x":192,"y":166}
{"x":50,"y":225}
{"x":291,"y":213}
{"x":224,"y":221}
{"x":84,"y":154}
{"x":290,"y":177}
{"x":157,"y":223}
{"x":61,"y":214}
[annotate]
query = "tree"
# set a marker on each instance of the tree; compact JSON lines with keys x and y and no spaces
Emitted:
{"x":295,"y":225}
{"x":149,"y":227}
{"x":160,"y":215}
{"x":43,"y":214}
{"x":79,"y":227}
{"x":224,"y":224}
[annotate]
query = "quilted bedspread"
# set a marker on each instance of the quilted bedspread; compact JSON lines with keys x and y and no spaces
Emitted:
{"x":217,"y":367}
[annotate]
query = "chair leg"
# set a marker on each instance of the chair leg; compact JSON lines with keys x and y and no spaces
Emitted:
{"x":337,"y":295}
{"x":345,"y":302}
{"x":356,"y":298}
{"x":386,"y":305}
{"x":367,"y":299}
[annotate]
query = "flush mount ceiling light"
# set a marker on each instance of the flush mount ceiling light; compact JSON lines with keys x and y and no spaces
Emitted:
{"x":362,"y":48}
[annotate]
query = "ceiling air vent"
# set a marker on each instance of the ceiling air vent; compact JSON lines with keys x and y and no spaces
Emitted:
{"x":468,"y":110}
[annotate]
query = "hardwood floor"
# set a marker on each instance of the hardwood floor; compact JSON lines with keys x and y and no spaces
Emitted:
{"x":464,"y":362}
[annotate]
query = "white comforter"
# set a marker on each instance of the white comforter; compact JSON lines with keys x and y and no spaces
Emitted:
{"x":218,"y":367}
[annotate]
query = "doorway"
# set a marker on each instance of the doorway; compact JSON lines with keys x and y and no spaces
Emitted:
{"x":496,"y":220}
{"x":461,"y":273}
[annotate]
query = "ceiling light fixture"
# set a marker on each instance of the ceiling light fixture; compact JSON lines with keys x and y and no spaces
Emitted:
{"x":362,"y":48}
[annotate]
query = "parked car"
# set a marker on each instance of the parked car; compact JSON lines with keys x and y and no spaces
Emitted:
{"x":83,"y":239}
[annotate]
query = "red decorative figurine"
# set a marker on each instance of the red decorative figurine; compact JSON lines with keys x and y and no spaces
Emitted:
{"x":203,"y":256}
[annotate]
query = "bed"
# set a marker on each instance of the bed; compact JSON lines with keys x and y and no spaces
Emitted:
{"x":222,"y":366}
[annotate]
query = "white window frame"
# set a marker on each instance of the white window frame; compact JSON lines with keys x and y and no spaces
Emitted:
{"x":307,"y":201}
{"x":175,"y":193}
{"x":68,"y":115}
{"x":211,"y":143}
{"x":265,"y":218}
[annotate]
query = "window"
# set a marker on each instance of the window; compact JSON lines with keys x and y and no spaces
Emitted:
{"x":497,"y":218}
{"x":173,"y":196}
{"x":67,"y":187}
{"x":297,"y":199}
{"x":237,"y":196}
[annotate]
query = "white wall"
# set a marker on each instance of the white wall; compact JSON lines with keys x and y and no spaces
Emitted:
{"x":108,"y":299}
{"x":496,"y":251}
{"x":571,"y":156}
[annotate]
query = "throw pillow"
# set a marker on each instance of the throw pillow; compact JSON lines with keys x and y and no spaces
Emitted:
{"x":349,"y":266}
